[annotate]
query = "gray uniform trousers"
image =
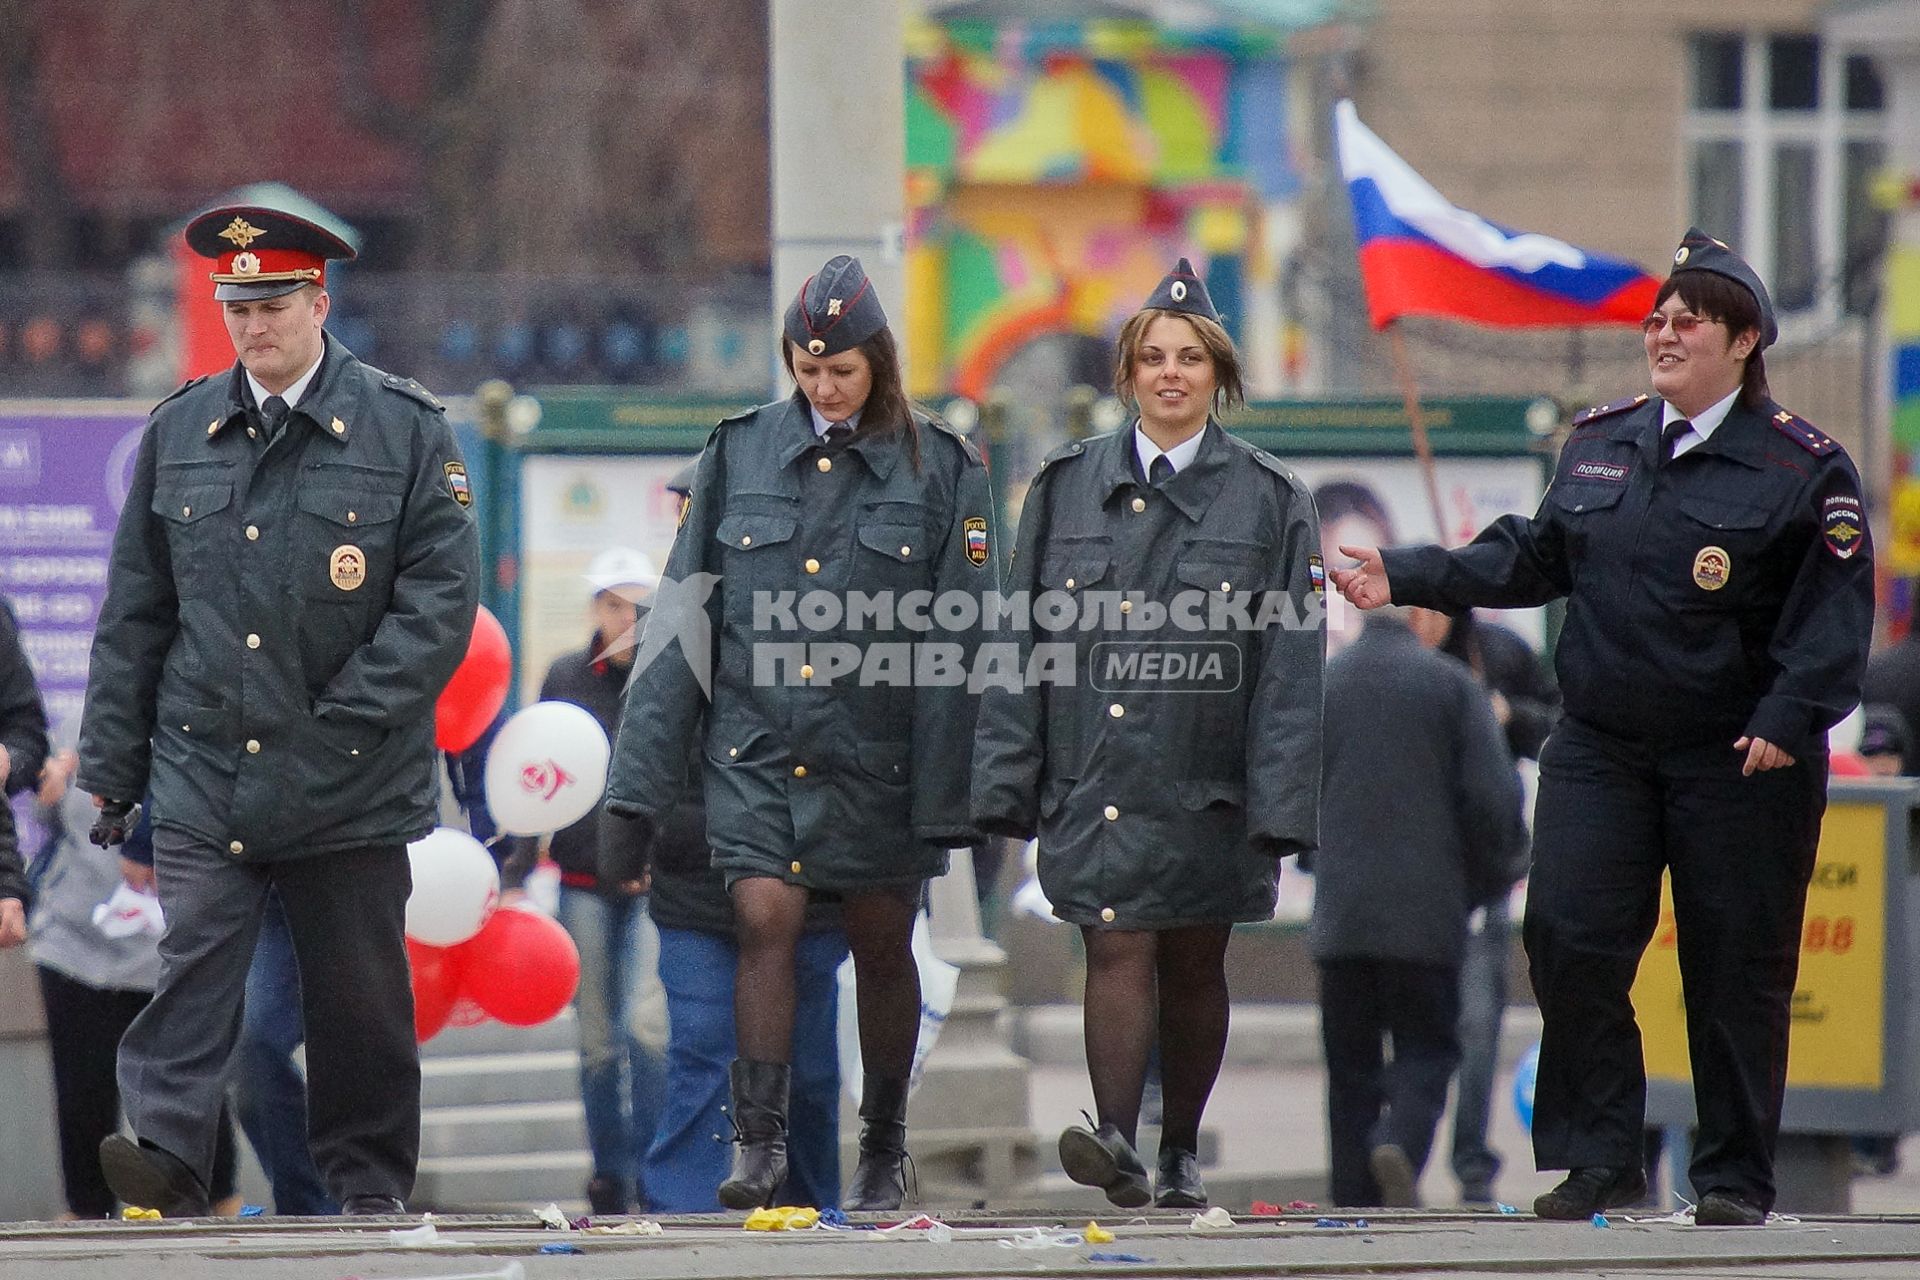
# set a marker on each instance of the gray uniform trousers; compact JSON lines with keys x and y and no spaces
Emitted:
{"x":347,"y":914}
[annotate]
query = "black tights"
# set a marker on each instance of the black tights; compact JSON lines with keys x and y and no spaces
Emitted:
{"x":769,"y":915}
{"x":1169,"y":982}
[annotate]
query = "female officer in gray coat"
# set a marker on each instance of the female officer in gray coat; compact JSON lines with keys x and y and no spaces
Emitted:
{"x":820,"y":533}
{"x":1175,"y":572}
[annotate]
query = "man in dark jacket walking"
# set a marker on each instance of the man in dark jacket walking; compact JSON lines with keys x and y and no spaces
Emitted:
{"x":293,"y":581}
{"x":1422,"y":824}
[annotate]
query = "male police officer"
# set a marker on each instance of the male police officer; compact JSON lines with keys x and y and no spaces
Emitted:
{"x":293,"y":581}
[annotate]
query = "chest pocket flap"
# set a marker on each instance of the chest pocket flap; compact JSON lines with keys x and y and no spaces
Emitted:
{"x":1073,"y":570}
{"x":1582,"y":498}
{"x":1718,"y":513}
{"x":748,"y":530}
{"x":906,"y":543}
{"x":351,"y":510}
{"x":1212,"y":572}
{"x":189,"y":504}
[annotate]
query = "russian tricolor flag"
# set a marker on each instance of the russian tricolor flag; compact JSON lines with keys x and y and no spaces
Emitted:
{"x":1419,"y":255}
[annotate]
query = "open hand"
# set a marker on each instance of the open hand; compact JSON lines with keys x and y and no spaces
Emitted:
{"x":1365,"y":584}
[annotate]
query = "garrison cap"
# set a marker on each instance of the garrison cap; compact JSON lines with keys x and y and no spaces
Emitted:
{"x":1184,"y":291}
{"x":262,"y":253}
{"x":836,"y":309}
{"x":1699,"y":251}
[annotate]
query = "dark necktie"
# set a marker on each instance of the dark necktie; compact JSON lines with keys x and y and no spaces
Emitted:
{"x":1670,"y":436}
{"x":837,"y":434}
{"x":1160,"y":472}
{"x":272,"y":413}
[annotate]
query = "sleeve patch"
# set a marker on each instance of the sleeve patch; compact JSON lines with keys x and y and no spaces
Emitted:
{"x":457,"y":487}
{"x":975,"y":528}
{"x":1842,"y":526}
{"x":1317,"y":574}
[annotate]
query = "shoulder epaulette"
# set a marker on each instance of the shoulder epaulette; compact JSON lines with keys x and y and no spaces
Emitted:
{"x":930,"y":419}
{"x":1071,"y":449}
{"x":1265,"y":459}
{"x":1598,"y":412}
{"x":1804,"y":433}
{"x":741,"y":416}
{"x":413,"y":391}
{"x":183,"y":388}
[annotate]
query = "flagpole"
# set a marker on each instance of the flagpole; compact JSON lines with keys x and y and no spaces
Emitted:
{"x":1422,"y":447}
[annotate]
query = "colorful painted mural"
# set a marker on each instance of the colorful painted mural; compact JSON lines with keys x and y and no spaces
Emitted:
{"x":1055,"y":171}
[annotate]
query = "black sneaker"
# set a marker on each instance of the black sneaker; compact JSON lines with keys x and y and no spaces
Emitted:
{"x":1728,"y":1209}
{"x":148,"y":1177}
{"x":1589,"y":1191}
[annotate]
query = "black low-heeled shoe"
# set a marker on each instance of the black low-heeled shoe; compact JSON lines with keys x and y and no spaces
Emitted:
{"x":1586,"y":1192}
{"x":1101,"y":1157}
{"x":1178,"y":1185}
{"x":147,"y":1177}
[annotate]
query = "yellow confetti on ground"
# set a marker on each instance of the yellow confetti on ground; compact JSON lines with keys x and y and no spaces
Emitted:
{"x":1097,"y":1234}
{"x":784,"y":1217}
{"x":133,"y":1213}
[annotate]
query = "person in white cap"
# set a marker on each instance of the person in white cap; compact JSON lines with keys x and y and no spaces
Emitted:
{"x":622,"y":1052}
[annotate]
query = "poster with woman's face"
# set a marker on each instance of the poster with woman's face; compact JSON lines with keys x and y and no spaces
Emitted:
{"x":1382,"y":502}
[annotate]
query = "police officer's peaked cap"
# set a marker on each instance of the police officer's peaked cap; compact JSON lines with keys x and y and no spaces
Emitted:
{"x":1184,"y":291}
{"x":1699,"y":251}
{"x":262,"y":253}
{"x":836,"y":309}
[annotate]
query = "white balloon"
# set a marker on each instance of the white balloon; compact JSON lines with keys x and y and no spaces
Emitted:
{"x":456,"y":886}
{"x":547,"y":768}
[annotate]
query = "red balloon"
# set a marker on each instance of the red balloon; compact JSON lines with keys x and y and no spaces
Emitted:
{"x":436,"y":986}
{"x":478,"y":689}
{"x":1848,"y":764}
{"x":521,"y":967}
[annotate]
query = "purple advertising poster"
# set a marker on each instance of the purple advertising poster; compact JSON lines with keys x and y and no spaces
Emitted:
{"x":64,"y":471}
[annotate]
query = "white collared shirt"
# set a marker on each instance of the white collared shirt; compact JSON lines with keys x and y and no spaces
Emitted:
{"x":1703,"y":423}
{"x":1177,"y":457}
{"x":293,"y":393}
{"x":821,"y":425}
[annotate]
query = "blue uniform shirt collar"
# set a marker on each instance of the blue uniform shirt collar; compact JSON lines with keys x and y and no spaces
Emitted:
{"x":1193,"y":486}
{"x":1177,"y":457}
{"x":797,"y":430}
{"x":821,"y":425}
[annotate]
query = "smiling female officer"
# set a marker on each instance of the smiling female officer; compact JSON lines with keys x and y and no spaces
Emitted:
{"x":1719,"y":579}
{"x":820,"y":777}
{"x":1162,"y":805}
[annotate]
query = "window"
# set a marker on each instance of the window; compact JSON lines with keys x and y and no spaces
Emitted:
{"x":1783,"y":140}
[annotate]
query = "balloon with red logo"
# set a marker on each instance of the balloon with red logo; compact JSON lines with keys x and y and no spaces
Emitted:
{"x":547,"y":768}
{"x":478,"y":689}
{"x":436,"y":987}
{"x":521,"y":968}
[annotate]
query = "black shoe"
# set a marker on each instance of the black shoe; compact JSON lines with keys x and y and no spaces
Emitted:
{"x":372,"y":1206}
{"x":759,"y":1133}
{"x":880,"y":1179}
{"x":1102,"y":1158}
{"x":1394,"y":1172}
{"x":1476,"y":1193}
{"x":146,"y":1177}
{"x":1589,"y":1191}
{"x":1178,"y":1184}
{"x":607,"y":1195}
{"x":1728,"y":1209}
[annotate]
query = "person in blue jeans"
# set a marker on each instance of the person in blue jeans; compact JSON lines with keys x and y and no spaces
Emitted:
{"x":622,"y":1026}
{"x":270,"y":1092}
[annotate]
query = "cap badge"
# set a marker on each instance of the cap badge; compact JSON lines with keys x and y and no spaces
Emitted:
{"x":241,"y":232}
{"x":1711,"y":568}
{"x":246,"y":264}
{"x":1680,"y":255}
{"x":817,"y":346}
{"x":1179,"y":291}
{"x":833,"y":306}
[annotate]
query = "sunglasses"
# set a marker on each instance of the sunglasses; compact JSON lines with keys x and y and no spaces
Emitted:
{"x":1683,"y":322}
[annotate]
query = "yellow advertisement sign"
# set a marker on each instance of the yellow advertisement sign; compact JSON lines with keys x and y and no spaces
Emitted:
{"x":1838,"y":1018}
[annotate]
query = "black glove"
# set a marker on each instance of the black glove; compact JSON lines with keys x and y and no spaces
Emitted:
{"x":117,"y":817}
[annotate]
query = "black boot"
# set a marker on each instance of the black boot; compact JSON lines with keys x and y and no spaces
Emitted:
{"x":879,"y":1181}
{"x":760,"y":1133}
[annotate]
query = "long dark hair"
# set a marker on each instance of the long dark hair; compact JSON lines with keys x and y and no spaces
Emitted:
{"x":887,"y":408}
{"x":1710,"y":294}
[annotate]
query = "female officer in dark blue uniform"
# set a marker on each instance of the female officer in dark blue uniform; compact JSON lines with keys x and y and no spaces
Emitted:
{"x":802,"y":592}
{"x":1182,"y":761}
{"x":1719,"y":578}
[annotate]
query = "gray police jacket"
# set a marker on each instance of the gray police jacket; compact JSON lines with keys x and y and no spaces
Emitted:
{"x":281,"y":616}
{"x":831,"y":776}
{"x":1182,"y":758}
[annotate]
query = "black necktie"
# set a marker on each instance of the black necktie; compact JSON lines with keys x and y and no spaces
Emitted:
{"x":837,"y":434}
{"x":1670,"y":436}
{"x":272,"y":413}
{"x":1160,"y":472}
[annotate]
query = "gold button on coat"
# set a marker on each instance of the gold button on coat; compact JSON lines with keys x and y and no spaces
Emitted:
{"x":236,"y":847}
{"x":799,"y":771}
{"x":253,"y":533}
{"x":1116,"y":711}
{"x":1126,"y":606}
{"x":746,"y":539}
{"x":794,"y":866}
{"x":253,"y":641}
{"x":1139,"y":504}
{"x":806,"y":671}
{"x":732,"y":752}
{"x":1112,"y":812}
{"x":813,"y":566}
{"x":906,"y":551}
{"x":253,"y":746}
{"x":1106,"y":914}
{"x":825,"y":464}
